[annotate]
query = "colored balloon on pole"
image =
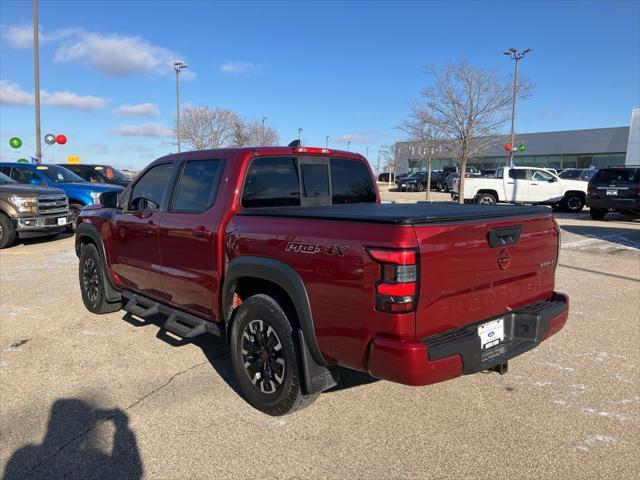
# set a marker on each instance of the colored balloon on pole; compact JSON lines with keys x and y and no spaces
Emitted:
{"x":22,"y":160}
{"x":507,"y":147}
{"x":15,"y":142}
{"x":61,"y":139}
{"x":49,"y":139}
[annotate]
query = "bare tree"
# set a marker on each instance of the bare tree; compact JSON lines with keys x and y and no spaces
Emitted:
{"x":387,"y":152}
{"x":202,"y":127}
{"x":252,"y":133}
{"x":422,"y":129}
{"x":468,"y":105}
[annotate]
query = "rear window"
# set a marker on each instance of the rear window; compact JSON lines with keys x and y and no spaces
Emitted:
{"x":315,"y":180}
{"x":613,"y":175}
{"x":351,"y":182}
{"x":271,"y":182}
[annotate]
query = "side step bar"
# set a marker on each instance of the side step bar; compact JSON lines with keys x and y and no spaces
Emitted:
{"x":178,"y":322}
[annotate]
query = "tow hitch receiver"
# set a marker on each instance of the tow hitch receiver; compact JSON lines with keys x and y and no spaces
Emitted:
{"x":501,"y":368}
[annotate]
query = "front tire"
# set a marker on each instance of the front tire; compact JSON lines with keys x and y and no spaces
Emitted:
{"x":265,"y":357}
{"x":7,"y":231}
{"x":92,"y":287}
{"x":420,"y":187}
{"x":597,"y":213}
{"x":573,"y":203}
{"x":74,"y":209}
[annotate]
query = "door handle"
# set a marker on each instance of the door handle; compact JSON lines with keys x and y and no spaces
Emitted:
{"x":534,"y":184}
{"x":151,"y":227}
{"x":510,"y":183}
{"x":201,"y":232}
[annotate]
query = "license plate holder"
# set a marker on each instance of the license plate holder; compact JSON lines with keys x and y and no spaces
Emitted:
{"x":491,"y":333}
{"x":62,"y":221}
{"x":612,"y":192}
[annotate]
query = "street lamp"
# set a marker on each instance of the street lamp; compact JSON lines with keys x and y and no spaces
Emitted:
{"x":516,"y":56}
{"x":299,"y":137}
{"x":367,"y":154}
{"x":326,"y":141}
{"x":348,"y":145}
{"x":177,"y":66}
{"x":36,"y":75}
{"x":262,"y":141}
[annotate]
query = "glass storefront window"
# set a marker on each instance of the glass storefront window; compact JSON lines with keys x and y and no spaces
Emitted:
{"x":616,"y":159}
{"x":569,"y":161}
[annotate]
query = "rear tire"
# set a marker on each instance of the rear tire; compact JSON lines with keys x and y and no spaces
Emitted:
{"x":91,"y":275}
{"x":7,"y":231}
{"x":597,"y":213}
{"x":420,"y":187}
{"x":486,"y":199}
{"x":264,"y":354}
{"x":446,"y":187}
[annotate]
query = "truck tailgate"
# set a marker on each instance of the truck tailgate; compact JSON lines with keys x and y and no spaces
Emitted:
{"x":472,"y":271}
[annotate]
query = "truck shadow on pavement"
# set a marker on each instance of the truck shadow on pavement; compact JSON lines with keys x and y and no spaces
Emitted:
{"x":628,"y":237}
{"x":216,"y":351}
{"x":76,"y":446}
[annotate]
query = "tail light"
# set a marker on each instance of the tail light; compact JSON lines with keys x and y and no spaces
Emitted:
{"x":397,"y":289}
{"x":591,"y":190}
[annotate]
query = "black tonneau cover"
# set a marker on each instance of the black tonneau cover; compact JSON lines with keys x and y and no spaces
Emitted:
{"x":399,"y":214}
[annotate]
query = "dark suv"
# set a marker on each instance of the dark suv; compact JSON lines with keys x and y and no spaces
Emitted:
{"x":614,"y":188}
{"x":98,"y":173}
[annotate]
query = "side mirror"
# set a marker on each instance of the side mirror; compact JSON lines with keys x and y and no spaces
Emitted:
{"x":552,"y":179}
{"x":109,"y":199}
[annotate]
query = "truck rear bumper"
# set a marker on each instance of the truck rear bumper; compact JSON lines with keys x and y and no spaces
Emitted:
{"x":614,"y":203}
{"x":458,"y":352}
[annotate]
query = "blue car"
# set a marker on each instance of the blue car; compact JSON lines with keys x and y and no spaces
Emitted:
{"x":79,"y":192}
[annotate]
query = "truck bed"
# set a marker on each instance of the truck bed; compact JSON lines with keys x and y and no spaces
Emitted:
{"x":400,"y":214}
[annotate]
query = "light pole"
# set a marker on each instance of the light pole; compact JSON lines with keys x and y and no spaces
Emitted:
{"x":326,"y":141}
{"x":516,"y":56}
{"x":299,"y":137}
{"x":378,"y":167}
{"x":36,"y":77}
{"x":367,"y":154}
{"x":348,"y":145}
{"x":262,"y":140}
{"x":177,"y":66}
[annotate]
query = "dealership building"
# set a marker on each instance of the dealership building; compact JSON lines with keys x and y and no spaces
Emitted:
{"x":598,"y":147}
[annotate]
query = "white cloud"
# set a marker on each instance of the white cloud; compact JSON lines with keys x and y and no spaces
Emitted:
{"x":144,"y":130}
{"x":12,"y":94}
{"x":239,"y":68}
{"x":355,"y":138}
{"x":138,"y":110}
{"x":21,"y":36}
{"x":116,"y":55}
{"x":71,"y":100}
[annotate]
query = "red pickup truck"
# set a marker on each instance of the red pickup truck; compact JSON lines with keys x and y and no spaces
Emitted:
{"x":289,"y":254}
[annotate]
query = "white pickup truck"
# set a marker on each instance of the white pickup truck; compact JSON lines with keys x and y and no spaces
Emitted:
{"x":524,"y":185}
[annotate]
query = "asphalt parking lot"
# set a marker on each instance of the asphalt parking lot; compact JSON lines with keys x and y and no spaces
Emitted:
{"x":85,"y":396}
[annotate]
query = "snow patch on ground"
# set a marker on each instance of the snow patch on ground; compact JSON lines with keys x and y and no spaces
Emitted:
{"x":595,"y":439}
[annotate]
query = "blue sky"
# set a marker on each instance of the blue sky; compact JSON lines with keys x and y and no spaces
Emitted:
{"x":344,"y":69}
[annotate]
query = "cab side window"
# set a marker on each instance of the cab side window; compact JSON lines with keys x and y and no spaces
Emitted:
{"x":148,"y":192}
{"x":25,"y":175}
{"x":541,"y":176}
{"x":519,"y":174}
{"x":197,"y":186}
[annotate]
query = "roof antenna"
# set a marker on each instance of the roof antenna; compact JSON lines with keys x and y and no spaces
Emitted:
{"x":295,"y":143}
